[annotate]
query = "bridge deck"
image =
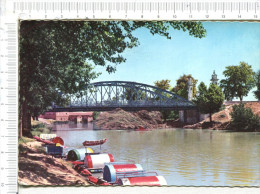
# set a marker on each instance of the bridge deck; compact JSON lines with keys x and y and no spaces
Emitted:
{"x":78,"y":109}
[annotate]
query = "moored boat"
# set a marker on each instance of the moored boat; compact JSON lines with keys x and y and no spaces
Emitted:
{"x":100,"y":168}
{"x":93,"y":143}
{"x":44,"y":141}
{"x":141,"y":128}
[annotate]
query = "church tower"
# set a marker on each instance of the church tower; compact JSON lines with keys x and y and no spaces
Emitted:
{"x":214,"y":78}
{"x":189,"y":89}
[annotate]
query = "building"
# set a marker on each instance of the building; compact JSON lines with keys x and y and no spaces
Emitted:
{"x":69,"y":116}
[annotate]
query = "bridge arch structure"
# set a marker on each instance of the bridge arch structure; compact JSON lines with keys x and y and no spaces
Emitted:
{"x":131,"y":96}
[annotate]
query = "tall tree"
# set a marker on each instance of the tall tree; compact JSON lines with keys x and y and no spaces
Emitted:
{"x":181,"y":87}
{"x":57,"y":57}
{"x":257,"y":83}
{"x":165,"y":85}
{"x":239,"y":81}
{"x":134,"y":94}
{"x":209,"y":100}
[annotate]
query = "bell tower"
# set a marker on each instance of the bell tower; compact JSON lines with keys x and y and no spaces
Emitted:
{"x":214,"y":78}
{"x":189,"y":89}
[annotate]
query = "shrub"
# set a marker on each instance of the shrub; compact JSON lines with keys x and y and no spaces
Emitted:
{"x":39,"y":128}
{"x":21,"y":141}
{"x":95,"y":115}
{"x":24,"y":140}
{"x":223,"y":107}
{"x":169,"y":115}
{"x":244,"y":119}
{"x":38,"y":125}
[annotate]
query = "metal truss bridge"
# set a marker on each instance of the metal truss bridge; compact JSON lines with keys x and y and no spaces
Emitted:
{"x":130,"y":96}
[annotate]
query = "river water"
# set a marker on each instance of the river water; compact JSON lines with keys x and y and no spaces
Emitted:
{"x":183,"y":156}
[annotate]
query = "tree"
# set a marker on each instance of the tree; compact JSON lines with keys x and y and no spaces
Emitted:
{"x":165,"y":85}
{"x":132,"y":94}
{"x":239,"y":81}
{"x":57,"y":57}
{"x":209,"y":100}
{"x":181,"y":87}
{"x":257,"y":83}
{"x":162,"y":84}
{"x":95,"y":115}
{"x":244,"y":119}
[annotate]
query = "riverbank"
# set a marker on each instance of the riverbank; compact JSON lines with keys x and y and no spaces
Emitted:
{"x":38,"y":168}
{"x":222,"y":119}
{"x":194,"y":152}
{"x":120,"y":119}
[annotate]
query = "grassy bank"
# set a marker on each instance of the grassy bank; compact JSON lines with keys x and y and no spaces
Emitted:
{"x":38,"y":127}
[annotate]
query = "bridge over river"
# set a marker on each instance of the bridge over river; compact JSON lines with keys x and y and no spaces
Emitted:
{"x":130,"y":96}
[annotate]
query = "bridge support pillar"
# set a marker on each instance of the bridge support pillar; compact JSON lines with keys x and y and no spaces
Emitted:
{"x":198,"y":115}
{"x":185,"y":116}
{"x":189,"y":116}
{"x":79,"y":119}
{"x":90,"y":119}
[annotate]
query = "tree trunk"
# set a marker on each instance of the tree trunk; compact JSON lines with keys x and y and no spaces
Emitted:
{"x":241,"y":99}
{"x":20,"y":126}
{"x":26,"y":121}
{"x":210,"y":117}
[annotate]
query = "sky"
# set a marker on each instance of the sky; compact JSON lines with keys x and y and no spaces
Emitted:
{"x":157,"y":58}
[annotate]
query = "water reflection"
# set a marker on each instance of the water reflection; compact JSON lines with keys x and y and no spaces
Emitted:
{"x":182,"y":156}
{"x":72,"y":126}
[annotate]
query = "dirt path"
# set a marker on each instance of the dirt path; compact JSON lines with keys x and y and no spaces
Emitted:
{"x":37,"y":168}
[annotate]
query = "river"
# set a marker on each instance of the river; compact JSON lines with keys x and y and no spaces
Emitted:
{"x":183,"y":156}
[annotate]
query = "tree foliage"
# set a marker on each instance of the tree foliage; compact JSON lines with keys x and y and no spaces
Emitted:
{"x":181,"y":87}
{"x":209,"y":100}
{"x":239,"y":81}
{"x":134,"y":94}
{"x":243,"y":119}
{"x":166,"y":114}
{"x":95,"y":115}
{"x":57,"y":57}
{"x":257,"y":83}
{"x":163,"y":84}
